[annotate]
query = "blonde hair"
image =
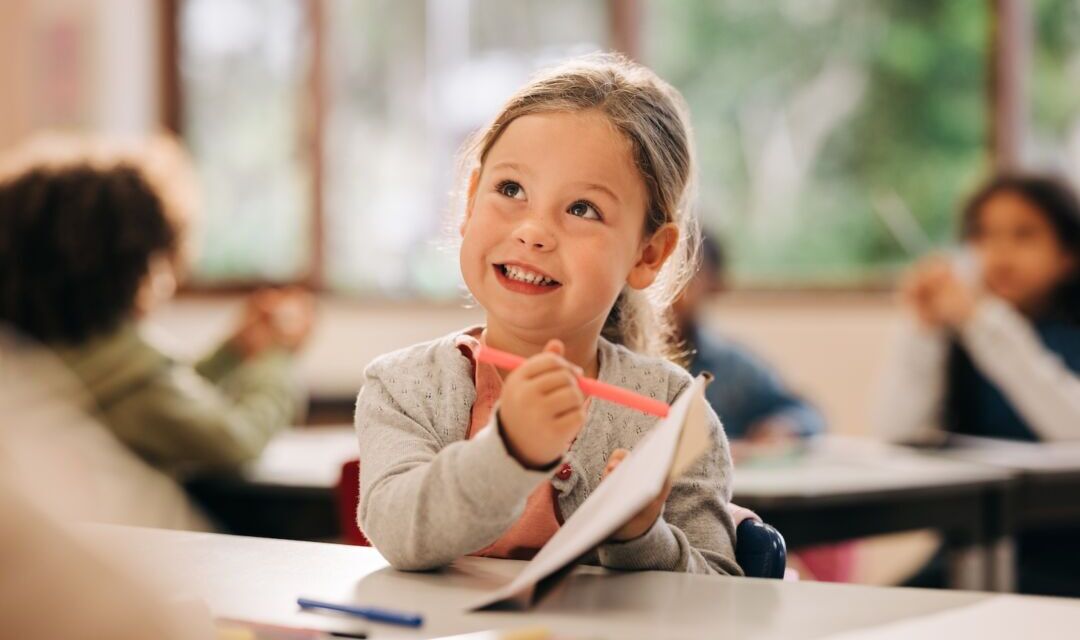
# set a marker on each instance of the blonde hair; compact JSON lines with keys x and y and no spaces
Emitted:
{"x":654,"y":118}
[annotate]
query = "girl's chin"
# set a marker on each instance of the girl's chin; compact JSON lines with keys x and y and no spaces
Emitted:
{"x":525,"y":322}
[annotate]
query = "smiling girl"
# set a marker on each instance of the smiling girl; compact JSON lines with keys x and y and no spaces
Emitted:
{"x":575,"y":236}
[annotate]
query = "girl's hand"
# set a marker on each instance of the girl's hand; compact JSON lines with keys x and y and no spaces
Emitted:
{"x":254,"y":334}
{"x":917,"y":288}
{"x":542,"y":408}
{"x":937,"y":295}
{"x":640,"y":524}
{"x":291,"y":314}
{"x":953,"y":301}
{"x":280,"y":318}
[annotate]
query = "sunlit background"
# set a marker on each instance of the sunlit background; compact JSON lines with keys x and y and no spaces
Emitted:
{"x":836,"y":140}
{"x":826,"y":129}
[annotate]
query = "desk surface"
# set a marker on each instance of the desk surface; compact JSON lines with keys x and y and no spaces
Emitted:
{"x":830,"y":467}
{"x":260,"y":579}
{"x":1028,"y":458}
{"x":836,"y":468}
{"x":309,"y":457}
{"x":839,"y":488}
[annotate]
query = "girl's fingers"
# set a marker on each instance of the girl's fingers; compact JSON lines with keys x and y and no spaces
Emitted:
{"x":569,"y":422}
{"x":564,"y":401}
{"x":665,"y":493}
{"x":553,"y":381}
{"x":615,"y":460}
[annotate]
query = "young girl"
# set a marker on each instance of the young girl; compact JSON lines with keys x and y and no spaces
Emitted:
{"x":995,"y":352}
{"x":574,"y":241}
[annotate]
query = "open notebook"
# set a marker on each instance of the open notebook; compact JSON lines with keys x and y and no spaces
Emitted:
{"x":665,"y":452}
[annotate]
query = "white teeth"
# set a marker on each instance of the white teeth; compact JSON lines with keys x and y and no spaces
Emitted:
{"x":524,"y":275}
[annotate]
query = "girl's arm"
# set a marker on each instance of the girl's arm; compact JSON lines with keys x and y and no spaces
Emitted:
{"x":911,"y":400}
{"x":423,"y":504}
{"x":1044,"y":391}
{"x":695,"y":532}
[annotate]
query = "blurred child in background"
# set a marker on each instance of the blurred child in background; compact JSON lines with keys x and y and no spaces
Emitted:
{"x":757,"y":409}
{"x":60,"y":468}
{"x":993,"y":348}
{"x":92,"y":238}
{"x":760,"y":414}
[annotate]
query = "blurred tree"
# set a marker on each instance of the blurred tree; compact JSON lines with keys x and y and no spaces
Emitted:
{"x":1054,"y":141}
{"x":822,"y":123}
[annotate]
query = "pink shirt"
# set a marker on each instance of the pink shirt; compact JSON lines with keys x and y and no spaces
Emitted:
{"x":540,"y":520}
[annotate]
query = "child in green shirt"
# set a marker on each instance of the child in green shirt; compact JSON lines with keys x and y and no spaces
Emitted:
{"x":90,"y":245}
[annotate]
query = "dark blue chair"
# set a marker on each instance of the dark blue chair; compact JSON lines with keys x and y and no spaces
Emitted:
{"x":760,"y":550}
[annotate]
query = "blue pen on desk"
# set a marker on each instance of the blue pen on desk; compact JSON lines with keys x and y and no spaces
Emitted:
{"x":368,"y":613}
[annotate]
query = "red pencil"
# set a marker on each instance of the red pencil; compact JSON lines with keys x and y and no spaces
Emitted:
{"x":595,"y":388}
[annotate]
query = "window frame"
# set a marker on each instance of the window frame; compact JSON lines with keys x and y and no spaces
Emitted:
{"x":1010,"y":39}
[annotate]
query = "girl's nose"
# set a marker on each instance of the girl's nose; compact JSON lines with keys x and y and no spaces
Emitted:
{"x":534,"y":236}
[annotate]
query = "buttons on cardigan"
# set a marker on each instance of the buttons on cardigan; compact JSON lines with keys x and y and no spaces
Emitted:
{"x":564,"y":472}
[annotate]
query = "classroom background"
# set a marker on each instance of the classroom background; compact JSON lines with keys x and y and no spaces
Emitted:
{"x":837,"y":142}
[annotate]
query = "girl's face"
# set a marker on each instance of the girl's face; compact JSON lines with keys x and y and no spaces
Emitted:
{"x":1021,"y":258}
{"x":554,"y":226}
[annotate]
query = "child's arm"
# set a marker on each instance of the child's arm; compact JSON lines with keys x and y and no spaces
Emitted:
{"x":425,"y":503}
{"x":426,"y":499}
{"x":220,"y":362}
{"x":695,"y":532}
{"x":1035,"y":380}
{"x":174,"y":417}
{"x":760,"y":400}
{"x":912,"y":394}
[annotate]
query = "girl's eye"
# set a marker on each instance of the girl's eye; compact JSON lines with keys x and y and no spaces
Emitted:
{"x":511,"y":189}
{"x":584,"y":209}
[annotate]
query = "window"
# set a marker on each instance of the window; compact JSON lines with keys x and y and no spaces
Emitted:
{"x":408,"y":82}
{"x":405,"y":83}
{"x":1054,"y":136}
{"x":833,"y":137}
{"x":242,"y":68}
{"x":836,"y":140}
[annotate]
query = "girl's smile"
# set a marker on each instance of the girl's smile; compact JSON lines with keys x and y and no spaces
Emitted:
{"x":524,"y":278}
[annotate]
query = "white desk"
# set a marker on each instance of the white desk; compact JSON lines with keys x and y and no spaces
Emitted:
{"x":260,"y":579}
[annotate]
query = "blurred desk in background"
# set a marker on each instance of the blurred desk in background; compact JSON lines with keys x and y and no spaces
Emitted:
{"x":1045,"y":509}
{"x":838,"y":489}
{"x":288,"y":492}
{"x":1048,"y":476}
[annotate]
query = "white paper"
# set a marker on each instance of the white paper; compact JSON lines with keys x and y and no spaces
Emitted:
{"x":671,"y":446}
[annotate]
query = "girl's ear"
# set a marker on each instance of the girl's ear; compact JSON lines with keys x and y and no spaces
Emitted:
{"x":470,"y":198}
{"x":653,"y":254}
